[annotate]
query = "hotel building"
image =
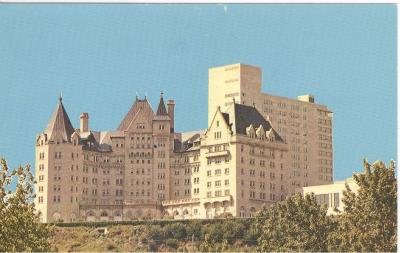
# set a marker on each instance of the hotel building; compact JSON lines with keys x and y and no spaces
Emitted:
{"x":256,"y":149}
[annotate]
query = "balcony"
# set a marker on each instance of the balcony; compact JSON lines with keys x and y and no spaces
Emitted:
{"x":212,"y":200}
{"x":180,"y":201}
{"x":217,"y":153}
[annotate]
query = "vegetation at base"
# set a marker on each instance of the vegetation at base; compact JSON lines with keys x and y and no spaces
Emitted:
{"x":367,"y":223}
{"x":297,"y":224}
{"x":192,"y":235}
{"x":19,"y":226}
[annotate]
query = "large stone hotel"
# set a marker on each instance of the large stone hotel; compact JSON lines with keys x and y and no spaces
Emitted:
{"x":257,"y":149}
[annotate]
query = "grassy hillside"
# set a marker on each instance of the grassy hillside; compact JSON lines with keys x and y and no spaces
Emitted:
{"x":204,"y":235}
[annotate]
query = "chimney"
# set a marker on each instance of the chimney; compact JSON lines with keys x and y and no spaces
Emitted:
{"x":84,"y":122}
{"x":171,"y":106}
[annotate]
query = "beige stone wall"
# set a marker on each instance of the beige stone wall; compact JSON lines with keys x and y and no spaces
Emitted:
{"x":61,"y":179}
{"x":183,"y":174}
{"x":261,"y":174}
{"x":225,"y":173}
{"x":304,"y":125}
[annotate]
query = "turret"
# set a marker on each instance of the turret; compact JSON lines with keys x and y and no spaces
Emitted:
{"x":161,"y":107}
{"x":59,"y":124}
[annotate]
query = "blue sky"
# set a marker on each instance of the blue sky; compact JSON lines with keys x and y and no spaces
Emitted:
{"x":100,"y":56}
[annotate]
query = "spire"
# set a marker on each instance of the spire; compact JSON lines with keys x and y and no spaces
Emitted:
{"x":161,"y":106}
{"x":59,"y":123}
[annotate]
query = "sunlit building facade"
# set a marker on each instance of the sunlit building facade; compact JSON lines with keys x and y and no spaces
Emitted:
{"x":256,"y":149}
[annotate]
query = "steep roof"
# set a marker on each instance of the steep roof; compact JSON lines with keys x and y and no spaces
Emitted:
{"x":239,"y":117}
{"x":60,"y":123}
{"x":248,"y":115}
{"x":161,"y":110}
{"x":140,"y":104}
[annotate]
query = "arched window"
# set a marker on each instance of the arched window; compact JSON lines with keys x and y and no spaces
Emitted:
{"x":103,"y":214}
{"x":252,"y":212}
{"x":56,"y":216}
{"x":242,"y":212}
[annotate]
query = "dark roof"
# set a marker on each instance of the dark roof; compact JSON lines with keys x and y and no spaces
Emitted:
{"x":188,"y":144}
{"x":95,"y":145}
{"x":161,"y":107}
{"x":244,"y":116}
{"x":248,"y":115}
{"x":226,"y":117}
{"x":60,"y":123}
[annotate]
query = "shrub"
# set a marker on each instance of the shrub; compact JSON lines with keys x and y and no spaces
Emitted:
{"x":110,"y":246}
{"x":175,"y":231}
{"x":172,"y":243}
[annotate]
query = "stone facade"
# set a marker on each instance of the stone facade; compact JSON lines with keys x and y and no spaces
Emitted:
{"x":256,"y":150}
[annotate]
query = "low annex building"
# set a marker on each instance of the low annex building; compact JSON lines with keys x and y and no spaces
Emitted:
{"x":145,"y":169}
{"x":331,"y":195}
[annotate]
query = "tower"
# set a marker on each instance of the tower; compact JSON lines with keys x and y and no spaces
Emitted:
{"x":238,"y":82}
{"x":162,"y":149}
{"x":57,"y":166}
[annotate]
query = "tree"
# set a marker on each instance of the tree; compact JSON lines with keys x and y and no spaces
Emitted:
{"x":296,"y":224}
{"x":368,"y":221}
{"x":209,"y":245}
{"x":20,"y":229}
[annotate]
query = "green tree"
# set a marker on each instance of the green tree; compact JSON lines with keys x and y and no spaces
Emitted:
{"x":20,"y":229}
{"x":175,"y":231}
{"x":233,"y":230}
{"x":368,"y":221}
{"x":209,"y":245}
{"x":296,"y":224}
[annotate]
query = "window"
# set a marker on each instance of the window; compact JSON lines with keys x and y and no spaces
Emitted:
{"x":209,"y":173}
{"x":322,"y":199}
{"x":226,"y":181}
{"x":218,"y":183}
{"x":217,"y":135}
{"x":208,"y":194}
{"x":226,"y":171}
{"x":336,"y":200}
{"x":218,"y":172}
